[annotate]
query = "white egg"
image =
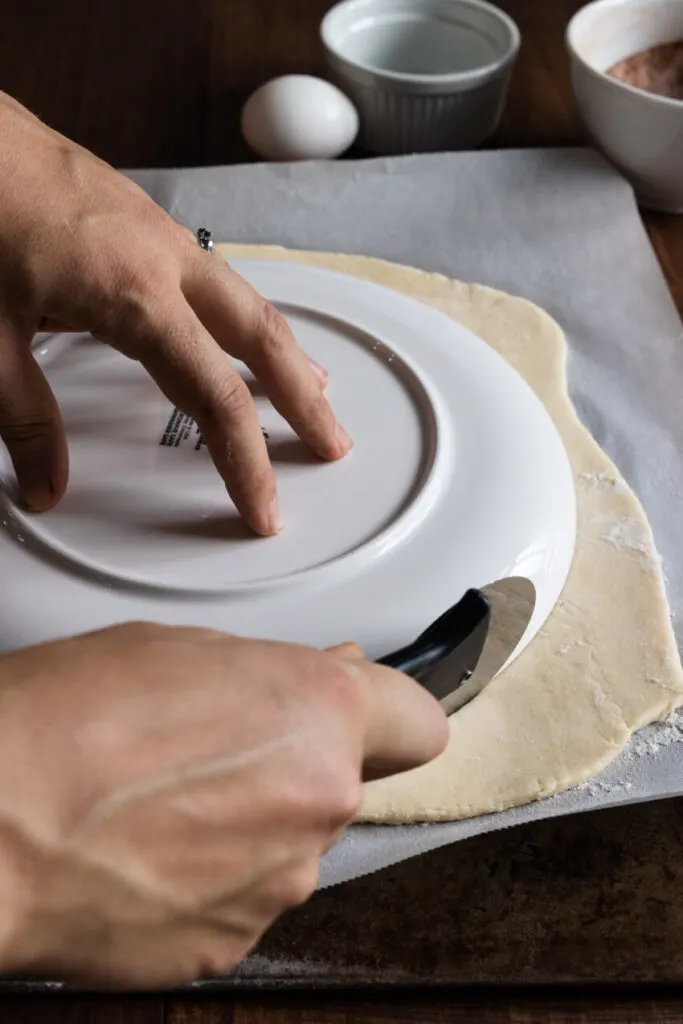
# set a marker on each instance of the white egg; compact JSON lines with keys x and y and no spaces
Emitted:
{"x":298,"y":117}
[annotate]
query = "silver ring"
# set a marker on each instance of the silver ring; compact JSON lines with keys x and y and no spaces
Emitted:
{"x":204,"y":240}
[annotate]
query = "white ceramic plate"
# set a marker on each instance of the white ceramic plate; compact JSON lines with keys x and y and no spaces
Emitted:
{"x":457,"y":478}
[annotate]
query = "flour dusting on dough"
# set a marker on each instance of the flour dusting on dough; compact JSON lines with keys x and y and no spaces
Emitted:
{"x":626,"y":533}
{"x":642,"y":745}
{"x":661,"y":734}
{"x":600,"y":479}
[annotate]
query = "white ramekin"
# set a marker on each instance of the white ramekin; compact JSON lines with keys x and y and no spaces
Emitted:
{"x":640,"y":132}
{"x":425,"y":75}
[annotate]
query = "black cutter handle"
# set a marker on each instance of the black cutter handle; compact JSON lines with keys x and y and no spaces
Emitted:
{"x":463,"y":627}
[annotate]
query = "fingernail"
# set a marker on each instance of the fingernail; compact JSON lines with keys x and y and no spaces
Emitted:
{"x":320,"y":371}
{"x":275,"y":520}
{"x":36,"y":492}
{"x":348,"y":650}
{"x":342,"y":438}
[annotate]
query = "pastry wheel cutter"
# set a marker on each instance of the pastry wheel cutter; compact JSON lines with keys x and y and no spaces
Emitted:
{"x":465,"y":648}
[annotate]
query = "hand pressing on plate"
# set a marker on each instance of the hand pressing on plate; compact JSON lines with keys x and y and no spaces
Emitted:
{"x":166,"y":793}
{"x":83,"y":248}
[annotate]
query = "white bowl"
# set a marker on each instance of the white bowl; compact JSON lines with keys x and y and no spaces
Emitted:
{"x":640,"y":132}
{"x":425,"y":75}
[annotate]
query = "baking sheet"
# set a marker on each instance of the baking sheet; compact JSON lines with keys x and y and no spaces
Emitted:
{"x":558,"y":227}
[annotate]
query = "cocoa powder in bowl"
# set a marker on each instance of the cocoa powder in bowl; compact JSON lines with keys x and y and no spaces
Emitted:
{"x":658,"y":69}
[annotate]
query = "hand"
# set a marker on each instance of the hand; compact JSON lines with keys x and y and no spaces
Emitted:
{"x":83,"y":248}
{"x":165,"y":793}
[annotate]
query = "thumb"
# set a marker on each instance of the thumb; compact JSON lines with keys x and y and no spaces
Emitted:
{"x":30,"y":422}
{"x":403,"y":727}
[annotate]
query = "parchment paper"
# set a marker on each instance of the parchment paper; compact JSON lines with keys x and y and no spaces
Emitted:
{"x":558,"y":227}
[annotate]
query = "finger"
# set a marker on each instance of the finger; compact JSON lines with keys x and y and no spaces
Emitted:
{"x":49,"y":324}
{"x":404,"y":725}
{"x":253,"y":331}
{"x":320,"y":372}
{"x":30,"y":422}
{"x":197,"y":376}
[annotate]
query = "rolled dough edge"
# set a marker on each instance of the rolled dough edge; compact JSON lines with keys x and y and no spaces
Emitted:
{"x":606,"y":662}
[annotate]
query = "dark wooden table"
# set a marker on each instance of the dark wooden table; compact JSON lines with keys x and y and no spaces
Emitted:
{"x":589,"y":900}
